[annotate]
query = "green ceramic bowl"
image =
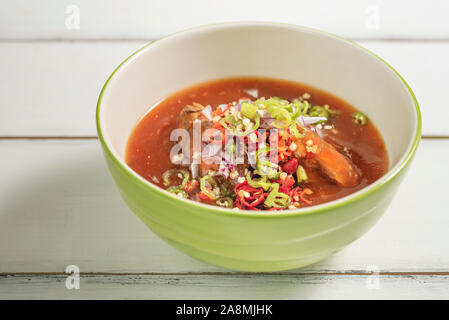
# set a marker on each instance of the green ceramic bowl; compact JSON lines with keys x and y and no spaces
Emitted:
{"x":261,"y":241}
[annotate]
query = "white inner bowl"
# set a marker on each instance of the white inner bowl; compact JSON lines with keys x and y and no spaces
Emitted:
{"x":259,"y":49}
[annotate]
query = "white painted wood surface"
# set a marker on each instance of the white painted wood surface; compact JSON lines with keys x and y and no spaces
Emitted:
{"x":59,"y":206}
{"x":149,"y":19}
{"x":229,"y":286}
{"x":51,"y":88}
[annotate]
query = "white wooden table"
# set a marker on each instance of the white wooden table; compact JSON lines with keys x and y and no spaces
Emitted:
{"x":59,"y":206}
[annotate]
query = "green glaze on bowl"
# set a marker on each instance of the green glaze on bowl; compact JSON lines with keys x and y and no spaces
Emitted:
{"x":244,"y":240}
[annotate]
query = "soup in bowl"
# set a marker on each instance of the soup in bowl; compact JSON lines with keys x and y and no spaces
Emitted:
{"x":257,"y":146}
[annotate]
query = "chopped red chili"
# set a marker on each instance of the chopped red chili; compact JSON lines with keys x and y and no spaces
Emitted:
{"x":255,"y":195}
{"x":291,"y":165}
{"x":191,"y":186}
{"x":288,"y":182}
{"x":205,"y":197}
{"x":301,"y":196}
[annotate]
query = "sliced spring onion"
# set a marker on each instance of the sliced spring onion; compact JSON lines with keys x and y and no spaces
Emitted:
{"x":277,"y":199}
{"x":271,"y":168}
{"x":271,"y":175}
{"x":167,"y":175}
{"x":318,"y":111}
{"x":359,"y":118}
{"x":295,"y":132}
{"x":301,"y":108}
{"x":249,"y":110}
{"x":231,"y":120}
{"x":263,"y":150}
{"x":282,"y":116}
{"x":258,"y":183}
{"x":232,"y":149}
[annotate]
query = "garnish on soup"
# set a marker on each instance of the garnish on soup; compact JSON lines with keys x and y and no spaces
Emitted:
{"x":257,"y":144}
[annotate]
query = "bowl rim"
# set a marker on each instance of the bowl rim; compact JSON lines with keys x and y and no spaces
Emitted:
{"x":391,"y":174}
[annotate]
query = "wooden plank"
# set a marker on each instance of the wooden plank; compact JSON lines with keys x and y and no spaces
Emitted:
{"x":226,"y":287}
{"x":50,"y":19}
{"x":425,"y":73}
{"x":59,"y":206}
{"x":51,"y":88}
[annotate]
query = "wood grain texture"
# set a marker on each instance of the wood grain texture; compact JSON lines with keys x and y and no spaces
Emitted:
{"x":59,"y":206}
{"x":51,"y":88}
{"x":226,"y":287}
{"x":142,"y":19}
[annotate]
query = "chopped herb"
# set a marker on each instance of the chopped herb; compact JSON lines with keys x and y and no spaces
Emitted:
{"x":277,"y":199}
{"x":318,"y":111}
{"x":249,"y":110}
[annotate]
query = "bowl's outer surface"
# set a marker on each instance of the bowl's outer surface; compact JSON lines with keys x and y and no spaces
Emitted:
{"x":257,"y":243}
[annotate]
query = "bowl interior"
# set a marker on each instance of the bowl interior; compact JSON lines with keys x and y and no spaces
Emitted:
{"x":257,"y":49}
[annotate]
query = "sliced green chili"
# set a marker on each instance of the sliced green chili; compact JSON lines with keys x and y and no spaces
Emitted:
{"x":225,"y":202}
{"x":359,"y":118}
{"x":172,"y":172}
{"x":213,"y":185}
{"x":177,"y":191}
